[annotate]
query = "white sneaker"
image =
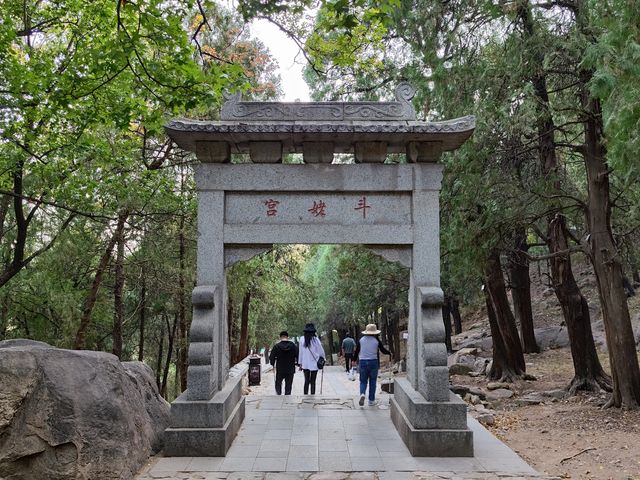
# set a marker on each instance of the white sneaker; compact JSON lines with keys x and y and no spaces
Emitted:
{"x":372,"y":403}
{"x":361,"y":402}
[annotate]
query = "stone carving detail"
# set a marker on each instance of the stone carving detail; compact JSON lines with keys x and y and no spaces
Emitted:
{"x":200,"y":379}
{"x":435,"y":381}
{"x":235,"y":109}
{"x":463,"y":124}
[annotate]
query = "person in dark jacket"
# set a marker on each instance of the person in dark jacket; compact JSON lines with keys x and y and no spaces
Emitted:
{"x":283,"y":357}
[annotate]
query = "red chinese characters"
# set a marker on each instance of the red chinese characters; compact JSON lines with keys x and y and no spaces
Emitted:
{"x":362,"y":205}
{"x":318,"y":209}
{"x":272,"y":207}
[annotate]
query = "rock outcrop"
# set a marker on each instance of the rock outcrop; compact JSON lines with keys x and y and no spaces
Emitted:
{"x":68,"y":414}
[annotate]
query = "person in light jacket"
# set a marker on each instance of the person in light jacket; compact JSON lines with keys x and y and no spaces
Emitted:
{"x":367,"y":352}
{"x":309,"y":352}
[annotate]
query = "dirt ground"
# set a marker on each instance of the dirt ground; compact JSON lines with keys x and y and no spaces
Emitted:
{"x":572,"y":438}
{"x":569,"y":438}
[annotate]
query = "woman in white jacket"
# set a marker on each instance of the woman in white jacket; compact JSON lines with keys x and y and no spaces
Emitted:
{"x":308,"y":354}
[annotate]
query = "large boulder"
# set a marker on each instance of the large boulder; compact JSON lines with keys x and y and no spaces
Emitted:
{"x":68,"y":414}
{"x":552,"y":337}
{"x":600,"y":338}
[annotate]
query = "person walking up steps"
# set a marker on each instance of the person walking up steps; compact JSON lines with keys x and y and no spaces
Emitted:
{"x":283,"y":357}
{"x":309,"y":352}
{"x":348,"y":347}
{"x":367,"y":351}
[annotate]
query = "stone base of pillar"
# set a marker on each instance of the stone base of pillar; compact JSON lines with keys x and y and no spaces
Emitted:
{"x":430,"y":429}
{"x":205,"y":428}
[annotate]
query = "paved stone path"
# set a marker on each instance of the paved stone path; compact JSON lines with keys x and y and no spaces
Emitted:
{"x":330,"y":437}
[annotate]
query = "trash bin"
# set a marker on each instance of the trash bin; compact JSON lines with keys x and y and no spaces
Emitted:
{"x":254,"y":370}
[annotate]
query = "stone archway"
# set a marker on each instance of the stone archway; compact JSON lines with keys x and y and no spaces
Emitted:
{"x":393,"y":209}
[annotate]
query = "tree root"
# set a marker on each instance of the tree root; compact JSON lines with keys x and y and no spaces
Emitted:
{"x":586,"y":384}
{"x":624,"y":406}
{"x":610,"y":403}
{"x":511,"y":376}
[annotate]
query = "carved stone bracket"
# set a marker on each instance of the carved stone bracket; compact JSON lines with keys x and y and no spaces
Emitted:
{"x":233,"y":254}
{"x":435,"y":382}
{"x":399,"y":254}
{"x":202,"y":382}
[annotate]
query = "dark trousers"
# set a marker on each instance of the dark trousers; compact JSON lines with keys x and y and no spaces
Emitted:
{"x":348,"y":357}
{"x":288,"y":382}
{"x":310,"y":380}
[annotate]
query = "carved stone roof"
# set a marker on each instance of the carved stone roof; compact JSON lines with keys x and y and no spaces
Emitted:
{"x":452,"y":133}
{"x":401,"y":109}
{"x":342,"y":124}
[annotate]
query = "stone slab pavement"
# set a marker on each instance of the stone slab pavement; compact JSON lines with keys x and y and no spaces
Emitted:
{"x":330,"y":437}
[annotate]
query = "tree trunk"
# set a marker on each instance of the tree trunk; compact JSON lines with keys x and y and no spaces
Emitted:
{"x":589,"y":374}
{"x":396,"y":329}
{"x":390,"y":332}
{"x":243,"y":348}
{"x":330,"y":338}
{"x":92,"y":297}
{"x":446,"y":318}
{"x":454,"y":305}
{"x":232,"y":353}
{"x":17,"y":247}
{"x":5,"y":202}
{"x":607,"y":264}
{"x":118,"y":287}
{"x":500,"y":363}
{"x":588,"y":370}
{"x":183,"y":330}
{"x":172,"y":334}
{"x":159,"y":359}
{"x":513,"y":364}
{"x":521,"y":291}
{"x":380,"y":321}
{"x":603,"y":251}
{"x":143,"y":312}
{"x":4,"y":316}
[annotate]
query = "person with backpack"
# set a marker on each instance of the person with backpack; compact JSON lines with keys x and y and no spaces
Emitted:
{"x":367,"y":351}
{"x":310,"y":357}
{"x":283,"y":357}
{"x":348,"y":349}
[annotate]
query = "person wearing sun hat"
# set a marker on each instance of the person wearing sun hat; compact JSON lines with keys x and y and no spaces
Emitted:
{"x":369,"y":361}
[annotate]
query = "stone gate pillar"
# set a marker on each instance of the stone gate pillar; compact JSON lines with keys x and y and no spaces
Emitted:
{"x":431,"y":420}
{"x":390,"y":208}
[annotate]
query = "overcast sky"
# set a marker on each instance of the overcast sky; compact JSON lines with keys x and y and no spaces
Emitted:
{"x":286,"y":53}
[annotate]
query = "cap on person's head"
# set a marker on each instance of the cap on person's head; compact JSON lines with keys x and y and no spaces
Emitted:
{"x":284,"y":333}
{"x":310,"y":328}
{"x":371,"y":330}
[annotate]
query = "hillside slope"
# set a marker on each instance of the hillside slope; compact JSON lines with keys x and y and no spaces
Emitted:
{"x":567,"y":437}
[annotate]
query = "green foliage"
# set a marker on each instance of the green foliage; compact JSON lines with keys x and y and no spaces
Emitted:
{"x":85,"y":88}
{"x":350,"y":284}
{"x":615,"y":59}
